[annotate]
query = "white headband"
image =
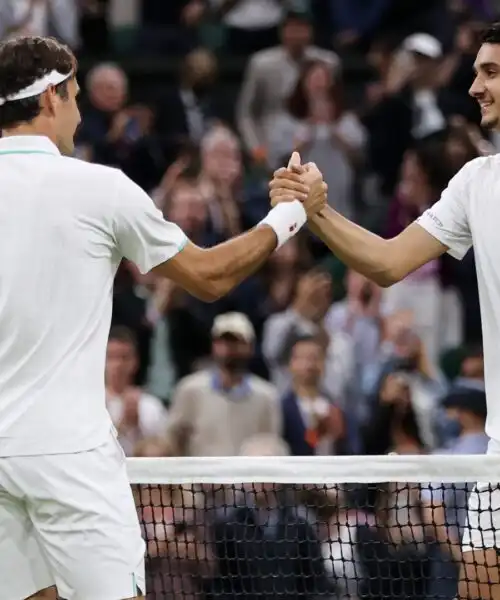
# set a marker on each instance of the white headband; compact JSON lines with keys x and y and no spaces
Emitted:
{"x":37,"y":87}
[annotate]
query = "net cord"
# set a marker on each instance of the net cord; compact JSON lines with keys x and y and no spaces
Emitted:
{"x":318,"y":470}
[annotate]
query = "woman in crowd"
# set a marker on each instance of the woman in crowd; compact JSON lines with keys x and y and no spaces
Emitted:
{"x":424,"y":175}
{"x":318,"y":125}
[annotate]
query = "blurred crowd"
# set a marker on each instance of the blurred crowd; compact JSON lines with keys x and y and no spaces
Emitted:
{"x":305,"y":357}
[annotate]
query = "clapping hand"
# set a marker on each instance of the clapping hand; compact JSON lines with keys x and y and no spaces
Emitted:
{"x":299,"y":182}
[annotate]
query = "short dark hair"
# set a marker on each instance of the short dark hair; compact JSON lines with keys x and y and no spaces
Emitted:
{"x":23,"y":60}
{"x":491,"y":35}
{"x":120,"y":333}
{"x":304,"y":339}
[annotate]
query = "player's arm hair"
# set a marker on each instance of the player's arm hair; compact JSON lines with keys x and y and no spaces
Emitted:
{"x":383,"y":261}
{"x":211,"y":273}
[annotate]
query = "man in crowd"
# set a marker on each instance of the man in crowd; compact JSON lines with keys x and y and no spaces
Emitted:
{"x":216,"y":409}
{"x":312,"y":424}
{"x":135,"y":414}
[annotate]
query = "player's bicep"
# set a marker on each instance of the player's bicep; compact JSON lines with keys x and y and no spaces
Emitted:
{"x":442,"y":228}
{"x":412,"y":249}
{"x":186,"y":269}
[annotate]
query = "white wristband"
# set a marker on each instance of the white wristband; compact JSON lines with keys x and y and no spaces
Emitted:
{"x":285,"y":219}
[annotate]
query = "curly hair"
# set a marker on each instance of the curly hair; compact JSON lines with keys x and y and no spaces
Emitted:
{"x":23,"y":60}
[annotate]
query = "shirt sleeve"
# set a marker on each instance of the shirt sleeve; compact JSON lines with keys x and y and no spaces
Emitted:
{"x":142,"y":234}
{"x":448,"y":219}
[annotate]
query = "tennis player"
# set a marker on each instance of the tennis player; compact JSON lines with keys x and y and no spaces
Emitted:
{"x":468,"y":214}
{"x":67,"y":517}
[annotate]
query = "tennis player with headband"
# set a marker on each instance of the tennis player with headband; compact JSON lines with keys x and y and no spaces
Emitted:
{"x":67,"y":516}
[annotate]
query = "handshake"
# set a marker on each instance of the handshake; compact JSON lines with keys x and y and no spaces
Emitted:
{"x":299,"y":182}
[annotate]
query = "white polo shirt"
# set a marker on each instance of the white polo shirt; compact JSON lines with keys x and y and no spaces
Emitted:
{"x":467,"y":214}
{"x":64,"y":227}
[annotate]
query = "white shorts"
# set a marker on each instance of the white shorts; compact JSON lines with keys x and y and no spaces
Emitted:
{"x":482,"y":529}
{"x":70,"y":520}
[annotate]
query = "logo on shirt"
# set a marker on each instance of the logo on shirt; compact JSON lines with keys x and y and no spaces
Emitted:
{"x":292,"y":228}
{"x":433,"y":217}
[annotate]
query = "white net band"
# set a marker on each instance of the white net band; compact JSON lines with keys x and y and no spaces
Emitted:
{"x":323,"y":470}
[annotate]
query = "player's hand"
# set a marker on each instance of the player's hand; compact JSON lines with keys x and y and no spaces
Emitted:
{"x":299,"y":182}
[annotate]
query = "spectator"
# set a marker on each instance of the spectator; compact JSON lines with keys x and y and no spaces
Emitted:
{"x":359,"y":316}
{"x":455,"y":73}
{"x":215,"y":410}
{"x":424,"y":53}
{"x":392,"y":548}
{"x":423,"y":178}
{"x":264,"y":549}
{"x":131,"y":306}
{"x":338,"y":524}
{"x":393,"y":425}
{"x":179,"y":552}
{"x":312,"y":424}
{"x":115,"y":134}
{"x":221,"y":180}
{"x":271,"y":77}
{"x":107,"y":92}
{"x":282,"y":271}
{"x":317,"y":124}
{"x":471,"y":370}
{"x":445,"y":506}
{"x":33,"y":17}
{"x":251,"y":25}
{"x":403,"y":353}
{"x":135,"y":414}
{"x":185,"y":113}
{"x":406,"y":107}
{"x":307,"y":315}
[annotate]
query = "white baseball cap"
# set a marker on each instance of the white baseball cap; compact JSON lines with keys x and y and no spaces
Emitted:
{"x":425,"y":44}
{"x":234,"y":323}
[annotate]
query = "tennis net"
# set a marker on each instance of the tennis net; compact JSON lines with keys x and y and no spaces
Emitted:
{"x":250,"y":528}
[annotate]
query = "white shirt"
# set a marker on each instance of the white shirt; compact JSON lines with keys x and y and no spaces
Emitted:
{"x":467,"y":214}
{"x":64,"y":227}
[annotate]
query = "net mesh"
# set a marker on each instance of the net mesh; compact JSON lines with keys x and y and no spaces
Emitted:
{"x":382,"y":527}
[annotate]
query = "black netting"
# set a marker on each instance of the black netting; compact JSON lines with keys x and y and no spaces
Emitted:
{"x":263,"y":541}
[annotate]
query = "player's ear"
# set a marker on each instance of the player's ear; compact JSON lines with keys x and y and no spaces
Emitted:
{"x":49,"y":100}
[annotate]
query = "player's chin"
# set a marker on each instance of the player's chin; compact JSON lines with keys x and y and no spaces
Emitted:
{"x":490,"y":121}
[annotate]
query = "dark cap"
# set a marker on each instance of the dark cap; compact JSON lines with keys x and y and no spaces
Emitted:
{"x":471,"y":400}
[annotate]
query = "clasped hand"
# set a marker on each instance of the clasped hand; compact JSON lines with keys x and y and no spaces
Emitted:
{"x":299,"y":182}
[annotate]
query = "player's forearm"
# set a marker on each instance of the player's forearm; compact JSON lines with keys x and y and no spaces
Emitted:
{"x":358,"y":248}
{"x":229,"y":263}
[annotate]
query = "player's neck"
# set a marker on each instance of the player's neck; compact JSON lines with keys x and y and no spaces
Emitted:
{"x":29,"y":129}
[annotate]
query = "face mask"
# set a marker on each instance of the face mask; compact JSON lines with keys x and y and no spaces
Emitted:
{"x":450,"y":429}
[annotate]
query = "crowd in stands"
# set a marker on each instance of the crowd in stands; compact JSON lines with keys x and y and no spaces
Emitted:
{"x":306,"y":357}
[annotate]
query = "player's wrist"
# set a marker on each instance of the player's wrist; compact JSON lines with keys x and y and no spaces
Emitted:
{"x":286,"y":219}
